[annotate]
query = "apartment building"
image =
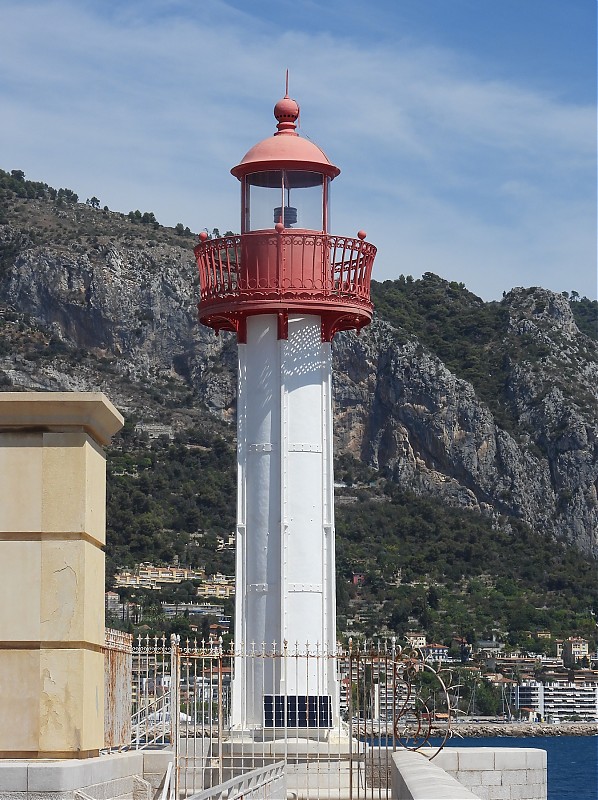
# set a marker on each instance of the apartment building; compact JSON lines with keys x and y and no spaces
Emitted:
{"x":435,"y":652}
{"x":220,"y":586}
{"x":150,"y":577}
{"x":574,"y":649}
{"x":558,"y":700}
{"x":415,"y":639}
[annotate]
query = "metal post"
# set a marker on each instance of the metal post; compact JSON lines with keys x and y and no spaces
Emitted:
{"x":220,"y":719}
{"x":175,"y":704}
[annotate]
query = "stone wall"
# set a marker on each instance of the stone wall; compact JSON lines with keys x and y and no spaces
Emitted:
{"x":503,"y":773}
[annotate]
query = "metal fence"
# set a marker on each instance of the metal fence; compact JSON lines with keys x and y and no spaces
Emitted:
{"x":332,"y":266}
{"x":293,"y":271}
{"x":388,"y":699}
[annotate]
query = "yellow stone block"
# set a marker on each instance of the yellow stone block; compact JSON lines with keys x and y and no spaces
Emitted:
{"x":74,"y":485}
{"x":60,"y":411}
{"x":51,"y":701}
{"x":52,"y":591}
{"x":20,"y":481}
{"x":20,"y":591}
{"x":71,"y":701}
{"x":72,"y":580}
{"x":19,"y":701}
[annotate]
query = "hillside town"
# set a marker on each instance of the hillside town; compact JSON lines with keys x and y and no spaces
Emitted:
{"x":529,"y":686}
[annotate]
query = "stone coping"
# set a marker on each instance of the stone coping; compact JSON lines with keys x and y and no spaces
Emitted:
{"x":60,"y":412}
{"x":470,"y":772}
{"x":48,"y":775}
{"x":416,"y":778}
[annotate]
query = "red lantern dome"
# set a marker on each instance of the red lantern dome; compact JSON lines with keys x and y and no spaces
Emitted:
{"x":286,"y":149}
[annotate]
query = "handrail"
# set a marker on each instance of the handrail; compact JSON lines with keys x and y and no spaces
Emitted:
{"x":247,"y":784}
{"x":166,"y":789}
{"x":143,"y":727}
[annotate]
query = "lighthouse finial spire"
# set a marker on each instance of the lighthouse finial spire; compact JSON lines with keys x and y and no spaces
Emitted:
{"x":286,"y":112}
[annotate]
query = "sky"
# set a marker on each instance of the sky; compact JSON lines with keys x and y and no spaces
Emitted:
{"x":465,"y":129}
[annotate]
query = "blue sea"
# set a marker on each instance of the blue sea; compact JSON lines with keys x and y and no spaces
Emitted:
{"x":572,"y":761}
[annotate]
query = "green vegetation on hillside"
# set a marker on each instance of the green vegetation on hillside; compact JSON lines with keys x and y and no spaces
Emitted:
{"x":455,"y":325}
{"x":13,"y":184}
{"x":585,"y":312}
{"x":455,"y":571}
{"x":460,"y":574}
{"x":55,"y":217}
{"x":471,"y":336}
{"x":169,"y":499}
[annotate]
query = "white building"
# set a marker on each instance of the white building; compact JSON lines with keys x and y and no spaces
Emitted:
{"x":415,"y":639}
{"x":558,"y":700}
{"x":435,"y":652}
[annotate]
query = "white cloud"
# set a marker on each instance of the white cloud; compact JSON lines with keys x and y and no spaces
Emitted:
{"x":148,"y":106}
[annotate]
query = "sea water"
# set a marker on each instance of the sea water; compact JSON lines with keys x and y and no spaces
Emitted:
{"x":572,"y":761}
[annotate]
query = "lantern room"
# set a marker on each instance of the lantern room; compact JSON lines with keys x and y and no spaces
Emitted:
{"x":294,"y":198}
{"x":285,"y":261}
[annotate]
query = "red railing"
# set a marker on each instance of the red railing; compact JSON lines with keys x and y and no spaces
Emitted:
{"x":290,"y":266}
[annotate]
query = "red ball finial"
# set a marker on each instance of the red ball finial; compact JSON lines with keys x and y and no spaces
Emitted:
{"x":361,"y":235}
{"x":203,"y":236}
{"x":279,"y":227}
{"x":286,"y":112}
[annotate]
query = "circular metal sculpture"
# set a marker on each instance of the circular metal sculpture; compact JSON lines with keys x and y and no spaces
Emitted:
{"x":399,"y":699}
{"x":426,"y":711}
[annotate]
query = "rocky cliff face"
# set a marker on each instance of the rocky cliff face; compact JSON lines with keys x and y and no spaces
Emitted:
{"x":400,"y":409}
{"x":130,"y":305}
{"x":113,"y":308}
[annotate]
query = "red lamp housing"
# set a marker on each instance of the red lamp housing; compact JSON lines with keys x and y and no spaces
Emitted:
{"x":285,"y":261}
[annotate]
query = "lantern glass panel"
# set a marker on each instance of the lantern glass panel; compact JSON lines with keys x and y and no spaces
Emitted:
{"x":294,"y":197}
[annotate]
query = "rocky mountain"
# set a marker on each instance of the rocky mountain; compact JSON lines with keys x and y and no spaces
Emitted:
{"x":488,"y":406}
{"x":403,"y":411}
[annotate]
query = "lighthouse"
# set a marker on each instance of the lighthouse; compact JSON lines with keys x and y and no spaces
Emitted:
{"x":285,"y":286}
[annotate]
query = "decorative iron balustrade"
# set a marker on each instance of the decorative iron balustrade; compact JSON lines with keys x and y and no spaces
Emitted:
{"x":333,"y":266}
{"x":292,"y":271}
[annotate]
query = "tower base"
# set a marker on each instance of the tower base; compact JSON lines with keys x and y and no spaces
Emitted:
{"x":318,"y":762}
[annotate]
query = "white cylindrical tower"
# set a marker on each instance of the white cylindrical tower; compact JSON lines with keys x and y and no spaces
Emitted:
{"x":285,"y":286}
